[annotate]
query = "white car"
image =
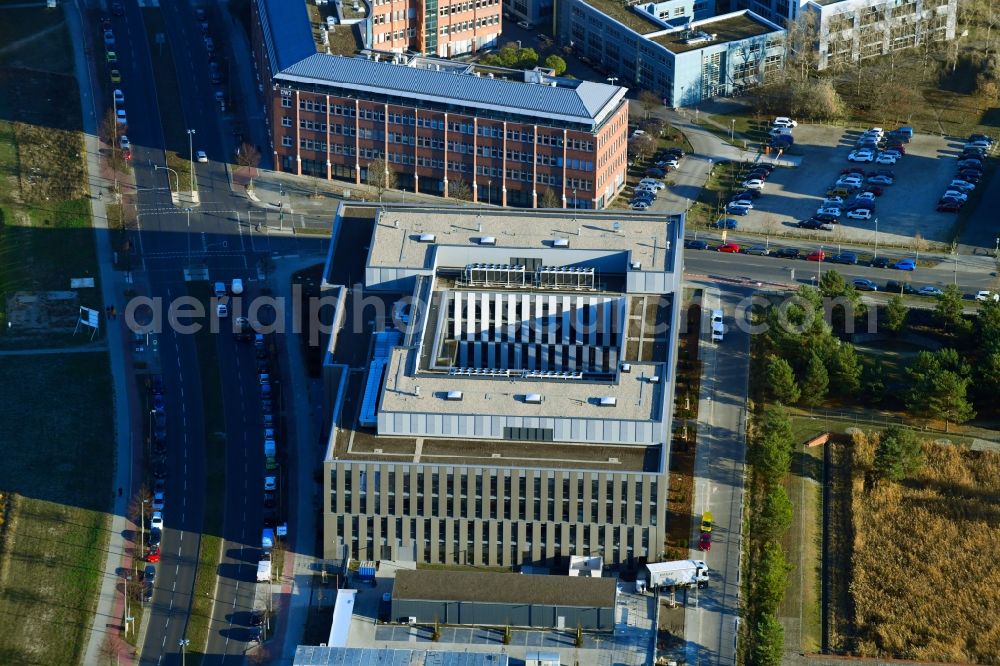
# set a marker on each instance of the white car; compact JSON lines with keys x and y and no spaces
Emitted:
{"x":120,"y":117}
{"x":850,"y":181}
{"x":270,"y":483}
{"x":156,"y":521}
{"x":885,"y":158}
{"x":119,"y":96}
{"x":753,"y":184}
{"x":955,"y":194}
{"x":652,"y":182}
{"x":779,"y":130}
{"x":201,"y":156}
{"x":875,"y":130}
{"x":961,"y":186}
{"x":864,"y":196}
{"x":640,"y":205}
{"x":863,"y":155}
{"x":742,"y":203}
{"x":859,"y":214}
{"x":986,"y":295}
{"x":124,"y":143}
{"x":828,"y":210}
{"x":833,"y":201}
{"x":158,"y":501}
{"x":784,"y":121}
{"x":221,"y":310}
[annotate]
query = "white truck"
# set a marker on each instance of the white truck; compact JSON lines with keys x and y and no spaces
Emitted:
{"x":679,"y":573}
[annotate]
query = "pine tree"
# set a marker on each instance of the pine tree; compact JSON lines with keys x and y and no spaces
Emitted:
{"x":815,"y":382}
{"x":781,"y":381}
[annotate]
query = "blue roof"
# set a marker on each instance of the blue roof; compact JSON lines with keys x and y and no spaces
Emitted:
{"x":287,"y":35}
{"x":308,"y":655}
{"x":574,"y":101}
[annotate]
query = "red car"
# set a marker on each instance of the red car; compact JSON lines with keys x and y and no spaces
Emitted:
{"x":850,"y":170}
{"x":949,"y":206}
{"x":705,"y":542}
{"x":153,"y":555}
{"x":728,"y":247}
{"x":874,"y":189}
{"x":817,"y":255}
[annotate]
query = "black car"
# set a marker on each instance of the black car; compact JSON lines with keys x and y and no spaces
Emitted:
{"x":751,"y":194}
{"x":788,"y":253}
{"x":864,"y":284}
{"x":757,"y":173}
{"x":843,"y":258}
{"x":674,"y":152}
{"x":970,"y":175}
{"x":656,"y":172}
{"x":157,"y":385}
{"x":882,"y":262}
{"x":118,"y":9}
{"x":696,"y":245}
{"x":814,"y":224}
{"x":895,"y":286}
{"x":270,"y":500}
{"x":826,"y":218}
{"x":154,"y":537}
{"x":160,"y":469}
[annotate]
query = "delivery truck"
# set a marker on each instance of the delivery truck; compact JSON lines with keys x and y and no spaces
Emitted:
{"x":679,"y":573}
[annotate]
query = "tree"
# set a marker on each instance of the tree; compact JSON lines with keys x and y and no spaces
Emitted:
{"x":801,"y":39}
{"x":895,"y":314}
{"x":781,"y":381}
{"x":939,"y":384}
{"x":771,"y":447}
{"x":949,"y":309}
{"x":380,"y":176}
{"x":988,"y":326}
{"x":460,"y":190}
{"x":768,"y":641}
{"x":248,"y":156}
{"x":549,"y":199}
{"x":845,"y":370}
{"x":641,"y":146}
{"x":775,"y":515}
{"x":770,"y":578}
{"x":896,"y":456}
{"x":815,"y":382}
{"x":655,"y":126}
{"x":873,"y":381}
{"x":556,"y":64}
{"x":649,"y":101}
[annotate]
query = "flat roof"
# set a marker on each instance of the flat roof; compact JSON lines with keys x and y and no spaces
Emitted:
{"x":641,"y":22}
{"x":503,"y":588}
{"x":726,"y":29}
{"x":637,"y":399}
{"x":323,"y":655}
{"x":343,"y":612}
{"x":366,"y":446}
{"x":396,"y":240}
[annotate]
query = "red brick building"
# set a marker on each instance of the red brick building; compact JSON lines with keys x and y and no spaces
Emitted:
{"x":509,"y":137}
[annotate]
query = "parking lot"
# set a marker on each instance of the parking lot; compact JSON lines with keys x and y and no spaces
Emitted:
{"x":906,"y":208}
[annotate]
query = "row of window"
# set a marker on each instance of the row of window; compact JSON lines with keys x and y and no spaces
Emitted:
{"x":465,"y":26}
{"x":407,"y":33}
{"x":460,"y":7}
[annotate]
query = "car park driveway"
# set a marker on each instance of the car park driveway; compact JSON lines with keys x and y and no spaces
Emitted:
{"x":905,"y":209}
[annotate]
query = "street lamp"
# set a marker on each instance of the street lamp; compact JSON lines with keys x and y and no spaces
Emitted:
{"x":188,"y":211}
{"x":875,"y":254}
{"x":996,"y":250}
{"x":489,"y":191}
{"x":177,"y":181}
{"x":183,"y":643}
{"x":732,"y":129}
{"x":191,"y":134}
{"x":612,"y":80}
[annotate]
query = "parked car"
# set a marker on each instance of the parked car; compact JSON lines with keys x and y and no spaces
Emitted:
{"x":740,"y":201}
{"x":655,"y":172}
{"x":787,"y":253}
{"x":109,"y":38}
{"x":826,"y":218}
{"x":116,"y":76}
{"x":640,"y":205}
{"x":119,"y":96}
{"x":952,"y":206}
{"x":156,"y":520}
{"x":667,"y":164}
{"x":696,"y":244}
{"x":955,"y":194}
{"x":894,"y":153}
{"x":705,"y":541}
{"x":860,"y":213}
{"x":899,"y":287}
{"x":880,"y":180}
{"x":753,"y":184}
{"x":843,"y":258}
{"x":725,"y":223}
{"x":930,"y":290}
{"x":736,"y":209}
{"x":749,"y":194}
{"x":153,"y":554}
{"x":874,"y":189}
{"x":864,"y":284}
{"x":906,"y":265}
{"x":816,"y":255}
{"x":961,"y":185}
{"x":732,"y":248}
{"x":885,"y":158}
{"x":882,"y":262}
{"x":970,"y":162}
{"x":833,"y":201}
{"x":812,"y":223}
{"x":120,"y":117}
{"x":829,"y":210}
{"x":652,"y":182}
{"x":863,"y":155}
{"x":987,"y":295}
{"x":759,"y":250}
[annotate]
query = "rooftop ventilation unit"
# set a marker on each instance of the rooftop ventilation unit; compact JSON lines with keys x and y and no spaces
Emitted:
{"x":636,"y":265}
{"x":426,"y":238}
{"x":654,"y":379}
{"x":487,"y":240}
{"x":533,"y":398}
{"x":626,"y":367}
{"x":608,"y":401}
{"x":697,"y":37}
{"x":560,"y":242}
{"x":453,"y":395}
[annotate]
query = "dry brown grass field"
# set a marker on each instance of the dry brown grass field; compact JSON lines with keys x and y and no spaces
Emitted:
{"x":925,"y":572}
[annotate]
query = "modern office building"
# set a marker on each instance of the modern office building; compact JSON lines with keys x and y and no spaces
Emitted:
{"x":435,"y":27}
{"x":670,"y":51}
{"x":504,"y":599}
{"x":523,"y":414}
{"x":852,"y":30}
{"x":517,"y":138}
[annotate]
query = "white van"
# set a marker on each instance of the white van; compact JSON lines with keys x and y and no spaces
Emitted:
{"x":718,"y":328}
{"x":237,"y":287}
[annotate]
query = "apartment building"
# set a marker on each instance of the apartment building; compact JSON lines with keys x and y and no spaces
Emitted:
{"x":435,"y":27}
{"x":852,"y":30}
{"x":522,"y":413}
{"x":512,"y":138}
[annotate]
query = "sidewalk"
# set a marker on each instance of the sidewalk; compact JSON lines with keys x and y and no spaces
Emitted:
{"x":110,"y":607}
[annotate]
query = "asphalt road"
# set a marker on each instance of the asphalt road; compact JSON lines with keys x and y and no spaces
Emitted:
{"x":215,"y":236}
{"x":710,"y":615}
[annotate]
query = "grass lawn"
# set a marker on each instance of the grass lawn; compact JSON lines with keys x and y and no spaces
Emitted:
{"x":210,"y":551}
{"x":23,"y":30}
{"x":56,"y":481}
{"x":168,"y":98}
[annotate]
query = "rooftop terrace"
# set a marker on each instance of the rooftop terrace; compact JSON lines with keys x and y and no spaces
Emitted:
{"x":733,"y":28}
{"x":641,"y":22}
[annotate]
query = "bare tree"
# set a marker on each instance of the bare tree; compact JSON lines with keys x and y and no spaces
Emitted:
{"x":802,"y":39}
{"x":641,"y":146}
{"x":380,"y":176}
{"x":460,"y":190}
{"x":247,"y":155}
{"x":549,"y":199}
{"x":139,"y":508}
{"x":649,"y":101}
